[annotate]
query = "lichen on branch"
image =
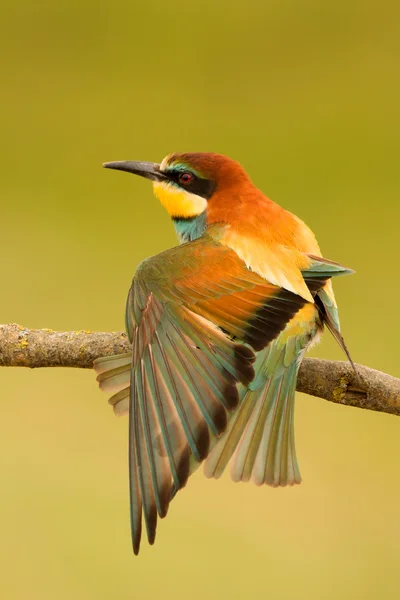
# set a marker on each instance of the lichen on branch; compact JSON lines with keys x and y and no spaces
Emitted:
{"x":331,"y":380}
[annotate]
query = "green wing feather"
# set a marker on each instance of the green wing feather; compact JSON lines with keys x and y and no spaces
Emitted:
{"x":322,"y":267}
{"x":172,"y":405}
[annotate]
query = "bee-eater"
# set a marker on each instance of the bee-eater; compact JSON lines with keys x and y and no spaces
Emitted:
{"x":219,"y":325}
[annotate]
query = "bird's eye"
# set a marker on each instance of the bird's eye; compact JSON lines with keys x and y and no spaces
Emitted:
{"x":185,"y":178}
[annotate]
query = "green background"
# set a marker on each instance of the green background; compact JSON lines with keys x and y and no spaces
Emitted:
{"x":306,"y":96}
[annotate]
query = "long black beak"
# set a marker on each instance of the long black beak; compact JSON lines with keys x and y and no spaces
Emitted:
{"x":143,"y":169}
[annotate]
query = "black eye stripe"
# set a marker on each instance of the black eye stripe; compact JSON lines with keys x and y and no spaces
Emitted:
{"x":198,"y":186}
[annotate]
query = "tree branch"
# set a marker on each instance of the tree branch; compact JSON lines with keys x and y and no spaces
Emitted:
{"x":332,"y":380}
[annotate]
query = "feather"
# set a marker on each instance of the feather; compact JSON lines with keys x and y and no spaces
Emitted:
{"x":175,"y":407}
{"x":259,"y":440}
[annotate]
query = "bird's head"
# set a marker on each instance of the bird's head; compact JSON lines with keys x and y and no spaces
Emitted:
{"x":186,"y":183}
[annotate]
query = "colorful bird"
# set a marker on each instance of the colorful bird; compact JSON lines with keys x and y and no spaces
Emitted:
{"x":219,"y":326}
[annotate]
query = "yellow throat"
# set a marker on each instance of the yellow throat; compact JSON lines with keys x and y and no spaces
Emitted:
{"x":177,"y":201}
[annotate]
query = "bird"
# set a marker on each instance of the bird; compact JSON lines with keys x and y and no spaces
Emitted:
{"x":219,"y":325}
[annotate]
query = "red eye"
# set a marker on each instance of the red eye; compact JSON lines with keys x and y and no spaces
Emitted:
{"x":185,"y":178}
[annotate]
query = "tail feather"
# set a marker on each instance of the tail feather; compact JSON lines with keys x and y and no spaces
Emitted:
{"x":276,"y":462}
{"x":259,"y":440}
{"x":247,"y":449}
{"x":224,"y":448}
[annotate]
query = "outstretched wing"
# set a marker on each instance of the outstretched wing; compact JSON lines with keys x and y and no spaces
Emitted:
{"x":189,"y":311}
{"x":183,"y":382}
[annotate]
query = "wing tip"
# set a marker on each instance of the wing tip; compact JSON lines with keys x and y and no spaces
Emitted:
{"x":231,"y":396}
{"x":136,"y":548}
{"x":203,"y":442}
{"x":244,"y":358}
{"x":136,"y":536}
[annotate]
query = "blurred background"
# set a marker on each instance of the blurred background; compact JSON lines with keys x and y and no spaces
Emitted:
{"x":306,"y":96}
